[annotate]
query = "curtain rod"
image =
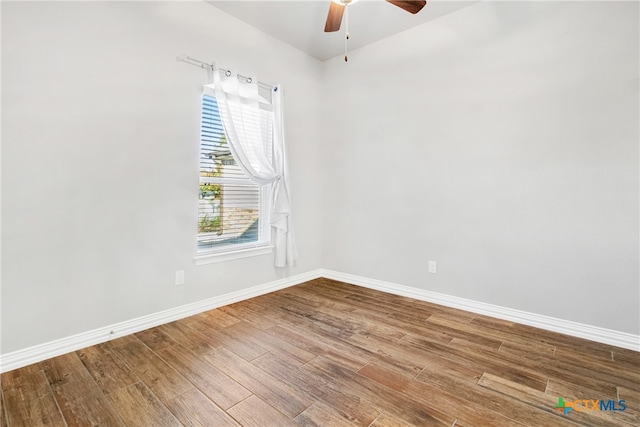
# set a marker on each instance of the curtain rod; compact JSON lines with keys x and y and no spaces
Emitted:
{"x":207,"y":66}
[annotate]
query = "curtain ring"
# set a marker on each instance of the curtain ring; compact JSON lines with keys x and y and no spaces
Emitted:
{"x":227,"y":73}
{"x":249,"y":79}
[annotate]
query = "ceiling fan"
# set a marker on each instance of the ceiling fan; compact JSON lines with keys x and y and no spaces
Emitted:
{"x":337,"y":7}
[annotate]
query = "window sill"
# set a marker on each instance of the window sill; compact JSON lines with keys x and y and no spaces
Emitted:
{"x":210,"y":258}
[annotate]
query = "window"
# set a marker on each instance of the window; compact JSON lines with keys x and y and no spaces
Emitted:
{"x":232,"y":210}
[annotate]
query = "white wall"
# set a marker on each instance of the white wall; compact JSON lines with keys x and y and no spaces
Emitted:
{"x":502,"y":142}
{"x":100,"y":130}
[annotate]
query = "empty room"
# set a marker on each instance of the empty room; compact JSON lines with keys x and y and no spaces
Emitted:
{"x":320,"y":213}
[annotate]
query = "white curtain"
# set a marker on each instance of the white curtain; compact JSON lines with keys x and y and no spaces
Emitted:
{"x":256,"y":139}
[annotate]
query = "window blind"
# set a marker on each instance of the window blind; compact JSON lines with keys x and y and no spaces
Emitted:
{"x":229,"y":209}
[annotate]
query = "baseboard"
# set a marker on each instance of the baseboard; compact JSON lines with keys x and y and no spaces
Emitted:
{"x":38,"y":353}
{"x":593,"y":333}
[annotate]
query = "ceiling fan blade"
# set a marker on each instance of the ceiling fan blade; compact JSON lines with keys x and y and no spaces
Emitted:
{"x":410,"y":6}
{"x":334,"y":18}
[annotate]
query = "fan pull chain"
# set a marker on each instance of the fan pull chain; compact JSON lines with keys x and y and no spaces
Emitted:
{"x":346,"y":33}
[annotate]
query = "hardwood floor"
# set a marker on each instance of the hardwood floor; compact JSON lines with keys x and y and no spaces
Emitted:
{"x":329,"y":354}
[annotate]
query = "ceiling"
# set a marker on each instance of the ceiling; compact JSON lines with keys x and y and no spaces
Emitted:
{"x":300,"y":23}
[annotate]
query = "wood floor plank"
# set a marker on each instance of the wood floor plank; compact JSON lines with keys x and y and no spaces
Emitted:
{"x":160,"y":377}
{"x":155,"y":339}
{"x":246,"y":332}
{"x":3,"y":415}
{"x":297,"y":296}
{"x":240,"y":311}
{"x":490,"y":322}
{"x":212,"y":320}
{"x":340,"y":313}
{"x":627,"y":363}
{"x":41,"y":411}
{"x":409,"y":324}
{"x":518,"y":334}
{"x":79,"y":398}
{"x":62,"y":369}
{"x":107,"y":370}
{"x":398,"y":304}
{"x":579,"y":391}
{"x":195,"y":409}
{"x":317,"y":321}
{"x":447,"y":402}
{"x":137,"y":405}
{"x":214,"y":383}
{"x":347,"y":405}
{"x":492,"y":401}
{"x":395,"y":354}
{"x":319,"y":344}
{"x":632,"y":401}
{"x":629,"y":395}
{"x":568,"y":373}
{"x":386,"y":307}
{"x":269,"y":388}
{"x":473,"y":359}
{"x":466,"y":372}
{"x":338,"y":293}
{"x":341,"y":341}
{"x":525,"y":349}
{"x":465,"y":332}
{"x":318,"y":299}
{"x":27,"y":383}
{"x":133,"y":351}
{"x":397,"y":404}
{"x":253,"y":412}
{"x":571,"y":372}
{"x":342,"y":298}
{"x":83,"y":403}
{"x":524,"y":374}
{"x":27,"y":399}
{"x":181,"y":332}
{"x":502,"y":330}
{"x":556,"y":338}
{"x":572,"y":354}
{"x":285,"y":314}
{"x":394,"y":379}
{"x":216,"y":338}
{"x":321,"y":415}
{"x":604,"y":366}
{"x":387,"y":420}
{"x":256,"y":305}
{"x":628,"y":358}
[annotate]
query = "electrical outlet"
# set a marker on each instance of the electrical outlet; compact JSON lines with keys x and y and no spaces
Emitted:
{"x":433,"y":267}
{"x":179,"y":277}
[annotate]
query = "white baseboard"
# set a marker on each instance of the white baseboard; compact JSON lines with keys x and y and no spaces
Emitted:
{"x":567,"y":327}
{"x":38,"y":353}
